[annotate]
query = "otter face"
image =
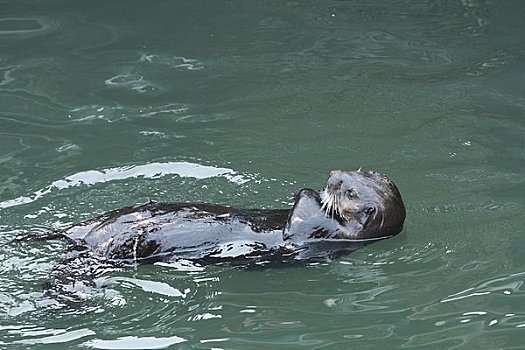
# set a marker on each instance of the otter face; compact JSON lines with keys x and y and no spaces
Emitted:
{"x":366,"y":204}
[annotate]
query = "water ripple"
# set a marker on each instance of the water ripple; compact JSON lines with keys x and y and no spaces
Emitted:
{"x":59,"y":336}
{"x":172,"y":61}
{"x":131,"y":81}
{"x":506,"y":285}
{"x":25,"y":27}
{"x":134,"y":342}
{"x":151,"y":171}
{"x":7,"y":74}
{"x":160,"y":288}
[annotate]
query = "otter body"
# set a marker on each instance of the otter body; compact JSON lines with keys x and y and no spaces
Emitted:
{"x":352,"y":210}
{"x":208,"y":233}
{"x":191,"y":231}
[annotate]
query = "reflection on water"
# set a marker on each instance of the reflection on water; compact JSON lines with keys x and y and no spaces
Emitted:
{"x":133,"y":342}
{"x":148,"y":171}
{"x":243,"y":103}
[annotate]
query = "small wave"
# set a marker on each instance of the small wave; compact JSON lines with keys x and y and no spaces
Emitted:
{"x":133,"y":342}
{"x":505,"y":285}
{"x":132,"y":81}
{"x":116,"y":113}
{"x":60,"y":336}
{"x":178,"y":62}
{"x":25,"y":27}
{"x":187,"y":63}
{"x":150,"y":171}
{"x":6,"y":72}
{"x":147,"y":286}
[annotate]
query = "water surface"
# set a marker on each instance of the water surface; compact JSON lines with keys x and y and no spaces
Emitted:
{"x":104,"y":105}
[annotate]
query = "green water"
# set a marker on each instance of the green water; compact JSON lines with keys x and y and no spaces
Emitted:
{"x":105,"y":104}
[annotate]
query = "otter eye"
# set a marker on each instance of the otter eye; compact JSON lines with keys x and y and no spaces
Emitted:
{"x":351,"y":193}
{"x":370,"y":210}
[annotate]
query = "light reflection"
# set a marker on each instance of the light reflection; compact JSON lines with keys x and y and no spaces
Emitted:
{"x":133,"y":342}
{"x":149,"y":171}
{"x":59,"y":336}
{"x":147,"y":286}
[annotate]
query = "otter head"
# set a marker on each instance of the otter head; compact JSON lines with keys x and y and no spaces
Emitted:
{"x":366,"y":204}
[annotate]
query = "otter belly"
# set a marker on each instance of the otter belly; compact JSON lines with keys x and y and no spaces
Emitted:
{"x":187,"y":231}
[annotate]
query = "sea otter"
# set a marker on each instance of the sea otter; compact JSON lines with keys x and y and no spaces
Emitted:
{"x":353,"y":209}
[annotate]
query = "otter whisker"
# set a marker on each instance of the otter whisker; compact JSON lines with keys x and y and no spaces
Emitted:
{"x":338,"y":205}
{"x":327,"y":200}
{"x":331,"y":203}
{"x":334,"y":204}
